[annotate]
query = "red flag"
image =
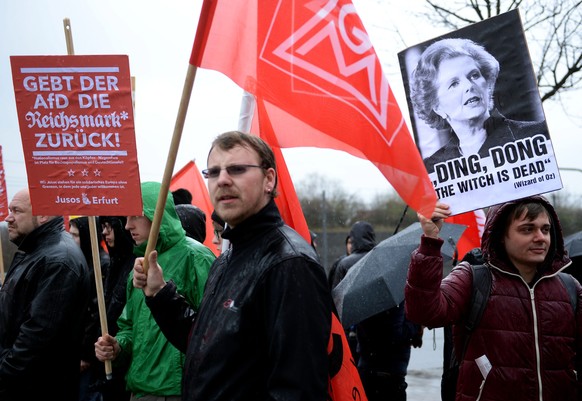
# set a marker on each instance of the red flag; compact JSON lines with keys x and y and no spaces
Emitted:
{"x":314,"y":67}
{"x":471,"y":238}
{"x":190,"y":178}
{"x":344,"y":382}
{"x":3,"y":193}
{"x":287,"y":200}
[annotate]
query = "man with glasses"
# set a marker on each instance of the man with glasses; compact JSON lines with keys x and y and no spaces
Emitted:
{"x":155,"y":366}
{"x":263,"y":325}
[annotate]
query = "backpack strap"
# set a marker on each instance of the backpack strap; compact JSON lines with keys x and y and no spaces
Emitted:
{"x":479,"y":296}
{"x":570,"y":285}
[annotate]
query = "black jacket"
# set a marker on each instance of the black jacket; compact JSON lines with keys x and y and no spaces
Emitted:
{"x":385,"y":340}
{"x":42,"y":304}
{"x":264,"y":321}
{"x":121,"y":260}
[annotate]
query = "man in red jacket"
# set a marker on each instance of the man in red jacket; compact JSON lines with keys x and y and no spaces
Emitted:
{"x":528,"y":343}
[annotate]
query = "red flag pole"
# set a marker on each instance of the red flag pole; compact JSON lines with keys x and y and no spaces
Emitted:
{"x":247,"y":110}
{"x":245,"y":120}
{"x":298,"y":223}
{"x":93,"y":236}
{"x":199,"y":44}
{"x":170,"y":162}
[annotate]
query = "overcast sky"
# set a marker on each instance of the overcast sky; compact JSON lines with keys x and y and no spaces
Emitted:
{"x":158,"y":36}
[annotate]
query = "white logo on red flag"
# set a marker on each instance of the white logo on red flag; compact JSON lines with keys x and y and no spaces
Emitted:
{"x":352,"y":73}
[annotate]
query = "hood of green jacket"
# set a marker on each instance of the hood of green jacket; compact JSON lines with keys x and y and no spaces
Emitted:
{"x":171,"y":230}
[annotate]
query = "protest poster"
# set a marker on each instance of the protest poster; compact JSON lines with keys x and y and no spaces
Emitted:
{"x":477,"y":115}
{"x":76,"y":121}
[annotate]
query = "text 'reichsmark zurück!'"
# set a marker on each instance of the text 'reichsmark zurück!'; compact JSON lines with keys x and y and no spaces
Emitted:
{"x":76,"y":121}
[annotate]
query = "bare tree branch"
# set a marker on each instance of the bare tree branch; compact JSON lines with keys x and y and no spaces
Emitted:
{"x":552,"y":28}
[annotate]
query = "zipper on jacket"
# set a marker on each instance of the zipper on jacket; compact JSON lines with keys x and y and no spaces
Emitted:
{"x":481,"y":389}
{"x":535,"y":316}
{"x":536,"y":340}
{"x":535,"y":324}
{"x":220,"y":273}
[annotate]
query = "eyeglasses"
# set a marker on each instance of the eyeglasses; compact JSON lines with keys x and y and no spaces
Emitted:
{"x":233,"y":170}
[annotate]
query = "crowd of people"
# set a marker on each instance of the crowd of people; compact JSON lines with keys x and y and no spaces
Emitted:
{"x":254,"y":323}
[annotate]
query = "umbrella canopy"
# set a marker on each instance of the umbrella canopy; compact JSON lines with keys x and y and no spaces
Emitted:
{"x":376,"y":282}
{"x":573,"y":244}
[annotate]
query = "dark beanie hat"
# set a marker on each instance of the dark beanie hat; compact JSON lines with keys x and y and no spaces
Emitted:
{"x":216,"y":218}
{"x":182,"y":196}
{"x":193,"y":221}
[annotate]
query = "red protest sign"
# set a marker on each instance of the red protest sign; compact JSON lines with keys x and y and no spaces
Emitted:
{"x":76,"y":121}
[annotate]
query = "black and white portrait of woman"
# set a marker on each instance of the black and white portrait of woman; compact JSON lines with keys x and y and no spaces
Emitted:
{"x":452,"y":88}
{"x":459,"y":107}
{"x":477,"y":115}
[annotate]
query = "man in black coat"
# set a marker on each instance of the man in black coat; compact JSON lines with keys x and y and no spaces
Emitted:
{"x":42,"y":304}
{"x":262,"y":329}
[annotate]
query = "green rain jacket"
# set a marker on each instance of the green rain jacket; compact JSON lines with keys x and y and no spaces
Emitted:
{"x":156,"y":366}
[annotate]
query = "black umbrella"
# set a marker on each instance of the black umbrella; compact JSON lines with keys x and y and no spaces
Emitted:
{"x":376,"y":282}
{"x":573,"y":244}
